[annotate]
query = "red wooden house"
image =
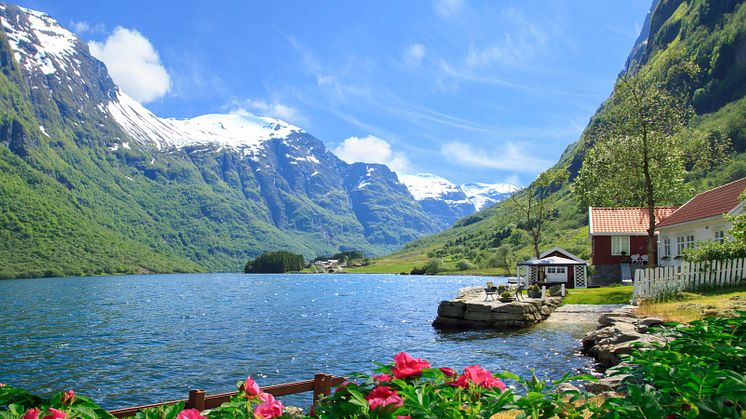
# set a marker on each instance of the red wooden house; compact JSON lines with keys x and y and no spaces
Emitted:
{"x":619,"y":235}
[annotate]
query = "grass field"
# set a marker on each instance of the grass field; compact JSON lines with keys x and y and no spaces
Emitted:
{"x":696,"y":306}
{"x":605,"y":295}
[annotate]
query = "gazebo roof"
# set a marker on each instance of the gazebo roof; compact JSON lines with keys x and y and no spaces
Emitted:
{"x":551,"y":260}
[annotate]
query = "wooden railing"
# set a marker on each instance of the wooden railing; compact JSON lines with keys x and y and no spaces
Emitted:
{"x":657,"y":283}
{"x":320,"y":385}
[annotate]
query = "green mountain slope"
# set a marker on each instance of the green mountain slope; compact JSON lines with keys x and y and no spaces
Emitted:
{"x":710,"y":33}
{"x":81,"y":194}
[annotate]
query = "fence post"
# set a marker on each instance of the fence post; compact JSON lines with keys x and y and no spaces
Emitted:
{"x":196,"y":400}
{"x":322,"y":385}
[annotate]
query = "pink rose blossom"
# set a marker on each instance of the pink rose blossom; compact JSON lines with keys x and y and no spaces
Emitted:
{"x":32,"y":413}
{"x":480,"y":377}
{"x":266,"y":397}
{"x":449,"y":372}
{"x":251,"y":388}
{"x":55,"y":414}
{"x":268,"y":410}
{"x":342,"y":386}
{"x":190,"y":414}
{"x":406,"y":366}
{"x":383,"y":396}
{"x":403,"y":417}
{"x":382,"y":378}
{"x":2,"y":385}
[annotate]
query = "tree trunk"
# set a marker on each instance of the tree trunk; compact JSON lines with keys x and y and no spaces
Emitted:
{"x":652,"y":243}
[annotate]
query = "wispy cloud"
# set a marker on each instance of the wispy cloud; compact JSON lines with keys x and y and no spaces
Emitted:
{"x":371,"y":149}
{"x":512,"y":157}
{"x":273,"y":109}
{"x":448,"y":9}
{"x":84,"y":27}
{"x":414,"y":54}
{"x":521,"y":42}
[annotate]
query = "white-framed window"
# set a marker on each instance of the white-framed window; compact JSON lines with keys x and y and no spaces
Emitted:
{"x":690,"y":241}
{"x":619,"y":244}
{"x":720,"y":236}
{"x":667,"y":247}
{"x":680,"y":244}
{"x":556,"y":270}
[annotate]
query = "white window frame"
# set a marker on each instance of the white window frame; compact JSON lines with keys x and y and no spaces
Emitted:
{"x":619,"y":244}
{"x":666,"y":246}
{"x":680,"y":245}
{"x":690,"y":241}
{"x":720,"y":236}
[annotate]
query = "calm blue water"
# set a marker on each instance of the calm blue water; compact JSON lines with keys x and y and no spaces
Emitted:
{"x":132,"y":340}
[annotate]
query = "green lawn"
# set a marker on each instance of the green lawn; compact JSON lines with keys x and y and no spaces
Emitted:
{"x":605,"y":295}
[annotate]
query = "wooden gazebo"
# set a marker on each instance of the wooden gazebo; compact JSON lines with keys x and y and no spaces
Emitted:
{"x":555,"y":266}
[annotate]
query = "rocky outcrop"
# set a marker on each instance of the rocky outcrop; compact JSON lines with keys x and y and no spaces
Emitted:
{"x":464,"y":313}
{"x":616,"y":335}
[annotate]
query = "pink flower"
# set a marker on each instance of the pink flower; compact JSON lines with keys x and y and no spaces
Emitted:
{"x":403,"y":417}
{"x":55,"y":414}
{"x":2,"y":385}
{"x":68,"y":397}
{"x":382,"y":378}
{"x":268,"y":410}
{"x":251,"y":388}
{"x":480,"y":377}
{"x":32,"y":413}
{"x":449,"y":372}
{"x":406,"y":366}
{"x":190,"y":414}
{"x":266,"y":397}
{"x":383,"y":396}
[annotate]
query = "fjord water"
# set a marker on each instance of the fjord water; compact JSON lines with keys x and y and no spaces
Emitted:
{"x":131,"y":340}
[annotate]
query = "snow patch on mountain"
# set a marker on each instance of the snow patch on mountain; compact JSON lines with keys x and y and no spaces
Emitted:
{"x":427,"y":185}
{"x":485,"y":194}
{"x":39,"y":43}
{"x":240,"y":131}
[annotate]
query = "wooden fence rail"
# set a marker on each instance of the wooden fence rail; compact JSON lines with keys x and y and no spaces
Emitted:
{"x":320,"y":385}
{"x":657,"y":283}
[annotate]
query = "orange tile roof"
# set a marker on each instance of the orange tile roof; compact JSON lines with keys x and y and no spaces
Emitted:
{"x":624,"y":220}
{"x":717,"y":201}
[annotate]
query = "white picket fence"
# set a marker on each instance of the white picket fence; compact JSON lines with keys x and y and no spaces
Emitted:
{"x":658,"y":282}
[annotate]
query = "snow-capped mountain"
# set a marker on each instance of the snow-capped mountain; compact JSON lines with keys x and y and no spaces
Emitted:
{"x":483,"y":195}
{"x":449,"y":202}
{"x":159,"y":193}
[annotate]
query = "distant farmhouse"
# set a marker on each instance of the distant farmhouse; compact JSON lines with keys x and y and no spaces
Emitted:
{"x":619,"y":235}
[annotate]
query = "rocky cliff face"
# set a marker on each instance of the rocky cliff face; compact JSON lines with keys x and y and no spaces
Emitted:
{"x":164,"y":194}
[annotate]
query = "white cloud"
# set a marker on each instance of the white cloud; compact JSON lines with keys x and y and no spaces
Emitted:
{"x":85,"y":27}
{"x":506,"y":157}
{"x":414,"y":54}
{"x":371,"y":149}
{"x":133,"y":63}
{"x":448,"y":8}
{"x":275,"y":110}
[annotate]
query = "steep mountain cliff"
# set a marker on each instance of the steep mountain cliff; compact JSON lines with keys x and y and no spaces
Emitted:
{"x":92,"y":182}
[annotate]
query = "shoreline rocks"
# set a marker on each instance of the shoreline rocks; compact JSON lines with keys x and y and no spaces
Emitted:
{"x":466,"y":313}
{"x":616,"y":334}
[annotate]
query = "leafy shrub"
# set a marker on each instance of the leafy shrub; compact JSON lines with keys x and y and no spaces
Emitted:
{"x":463,"y":265}
{"x":433,"y":266}
{"x":275,"y":262}
{"x":707,"y":251}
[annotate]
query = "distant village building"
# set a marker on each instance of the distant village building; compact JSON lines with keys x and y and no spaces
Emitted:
{"x":702,"y":218}
{"x":331,"y":265}
{"x":554,"y":266}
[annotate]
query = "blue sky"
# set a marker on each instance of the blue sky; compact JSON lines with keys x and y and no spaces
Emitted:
{"x":486,"y":91}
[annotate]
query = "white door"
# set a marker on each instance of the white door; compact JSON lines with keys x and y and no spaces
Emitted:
{"x":555,"y":274}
